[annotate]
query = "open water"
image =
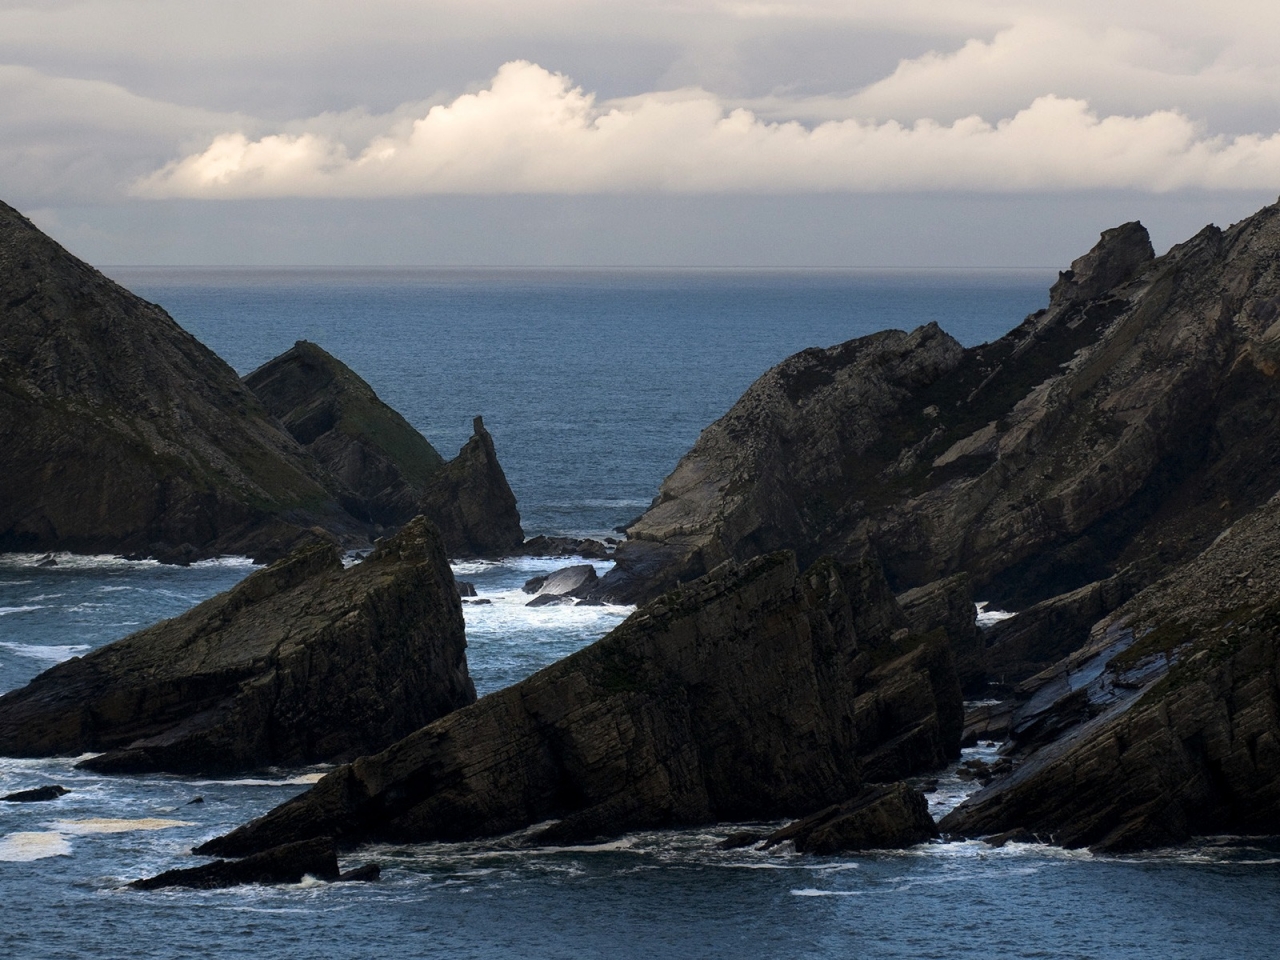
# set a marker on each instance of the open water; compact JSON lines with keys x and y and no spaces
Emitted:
{"x":593,"y":384}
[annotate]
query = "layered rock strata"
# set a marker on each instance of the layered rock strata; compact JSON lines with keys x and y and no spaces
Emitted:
{"x":756,"y":692}
{"x":300,"y":663}
{"x":1123,"y":427}
{"x":122,"y":433}
{"x":471,"y":503}
{"x":1167,"y":725}
{"x":335,"y":415}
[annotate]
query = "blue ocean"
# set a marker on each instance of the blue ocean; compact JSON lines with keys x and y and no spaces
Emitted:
{"x":593,"y":383}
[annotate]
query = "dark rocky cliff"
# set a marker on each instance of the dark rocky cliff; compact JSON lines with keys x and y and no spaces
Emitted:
{"x":1121,"y":428}
{"x":302,"y":662}
{"x":336,"y":416}
{"x":757,"y":692}
{"x":120,"y":432}
{"x":472,"y":504}
{"x":1167,"y":725}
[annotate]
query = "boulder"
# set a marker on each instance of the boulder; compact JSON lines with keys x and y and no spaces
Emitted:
{"x":302,"y":662}
{"x":122,"y":433}
{"x":749,"y":694}
{"x":881,"y":817}
{"x":288,"y":863}
{"x":471,"y":503}
{"x":336,"y":416}
{"x":563,"y":585}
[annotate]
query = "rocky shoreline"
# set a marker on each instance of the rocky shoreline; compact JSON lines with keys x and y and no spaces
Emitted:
{"x":806,"y":575}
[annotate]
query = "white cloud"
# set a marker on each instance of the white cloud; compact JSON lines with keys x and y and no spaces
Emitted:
{"x":532,"y":131}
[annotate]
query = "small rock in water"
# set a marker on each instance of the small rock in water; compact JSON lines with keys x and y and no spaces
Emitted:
{"x":287,"y":863}
{"x":465,"y":589}
{"x":549,"y":600}
{"x":195,"y":800}
{"x":478,"y":602}
{"x":369,"y":873}
{"x":51,"y":792}
{"x":743,"y":838}
{"x":48,"y":560}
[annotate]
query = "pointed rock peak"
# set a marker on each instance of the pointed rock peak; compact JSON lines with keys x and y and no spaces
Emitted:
{"x":477,"y":427}
{"x":471,"y":502}
{"x":1118,"y":257}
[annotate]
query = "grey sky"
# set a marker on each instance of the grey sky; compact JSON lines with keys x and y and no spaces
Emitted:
{"x":916,"y":132}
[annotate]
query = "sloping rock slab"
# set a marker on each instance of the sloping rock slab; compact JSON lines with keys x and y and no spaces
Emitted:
{"x":732,"y":699}
{"x":339,"y":419}
{"x":881,"y":817}
{"x":567,"y":583}
{"x":287,"y":863}
{"x":471,"y":502}
{"x":302,"y":662}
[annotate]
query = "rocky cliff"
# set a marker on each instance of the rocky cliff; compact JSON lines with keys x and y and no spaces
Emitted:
{"x":472,"y":504}
{"x":120,"y":432}
{"x":1123,"y":427}
{"x":755,"y":692}
{"x":336,"y":416}
{"x":302,"y":662}
{"x":1167,"y":724}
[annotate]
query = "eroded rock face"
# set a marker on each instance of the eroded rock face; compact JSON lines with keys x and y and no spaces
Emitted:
{"x":122,"y":433}
{"x":881,"y":817}
{"x":302,"y":662}
{"x":336,"y":416}
{"x":1167,"y":725}
{"x":757,"y":692}
{"x":1124,"y":426}
{"x":471,"y":503}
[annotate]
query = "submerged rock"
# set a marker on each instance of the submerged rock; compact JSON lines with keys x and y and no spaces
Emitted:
{"x":36,"y":794}
{"x":300,"y":663}
{"x":288,"y":863}
{"x":337,"y":417}
{"x":471,"y":503}
{"x":881,"y":817}
{"x":756,"y":692}
{"x":122,"y":433}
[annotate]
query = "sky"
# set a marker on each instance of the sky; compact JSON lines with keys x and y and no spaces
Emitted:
{"x":934,"y":133}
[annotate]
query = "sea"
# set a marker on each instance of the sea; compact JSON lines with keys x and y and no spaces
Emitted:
{"x":593,"y":384}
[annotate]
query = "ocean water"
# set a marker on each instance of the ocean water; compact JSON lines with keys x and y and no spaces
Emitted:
{"x":593,"y":384}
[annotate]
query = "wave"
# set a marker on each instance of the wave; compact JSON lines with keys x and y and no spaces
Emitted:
{"x":5,"y":611}
{"x":50,"y":654}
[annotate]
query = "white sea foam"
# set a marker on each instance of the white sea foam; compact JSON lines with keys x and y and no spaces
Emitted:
{"x":5,"y":611}
{"x":24,"y":847}
{"x":93,"y":825}
{"x":50,"y":654}
{"x":302,"y":779}
{"x":987,"y":618}
{"x":811,"y":892}
{"x":74,"y":561}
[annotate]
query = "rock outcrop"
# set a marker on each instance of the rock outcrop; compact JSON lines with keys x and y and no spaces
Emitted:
{"x":383,"y":461}
{"x":1167,"y":725}
{"x":1123,"y":427}
{"x":881,"y":817}
{"x":288,"y":863}
{"x":756,"y":692}
{"x":301,"y":662}
{"x":471,"y":503}
{"x":123,"y":433}
{"x":564,"y":585}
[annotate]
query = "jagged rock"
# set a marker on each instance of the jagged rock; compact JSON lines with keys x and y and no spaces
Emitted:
{"x":1123,"y":427}
{"x":123,"y":433}
{"x":339,"y":419}
{"x":302,"y":662}
{"x":948,"y":605}
{"x":881,"y":817}
{"x":36,"y":794}
{"x":471,"y":503}
{"x":565,"y":584}
{"x":987,"y":721}
{"x":543,"y":546}
{"x":1167,"y":725}
{"x":743,"y":696}
{"x":287,"y":863}
{"x":465,"y":589}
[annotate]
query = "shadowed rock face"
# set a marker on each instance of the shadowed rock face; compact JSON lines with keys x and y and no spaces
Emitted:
{"x":881,"y":817}
{"x":1167,"y":725}
{"x":122,"y":433}
{"x":302,"y":662}
{"x":471,"y":503}
{"x":755,"y":693}
{"x":336,"y":416}
{"x":1124,"y":426}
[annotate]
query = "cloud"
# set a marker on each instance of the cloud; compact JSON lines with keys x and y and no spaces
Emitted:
{"x":533,"y":131}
